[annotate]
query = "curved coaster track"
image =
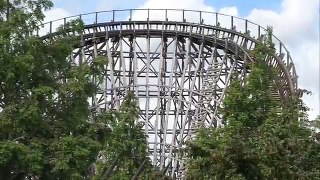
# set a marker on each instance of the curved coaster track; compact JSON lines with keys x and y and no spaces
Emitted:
{"x":178,"y":63}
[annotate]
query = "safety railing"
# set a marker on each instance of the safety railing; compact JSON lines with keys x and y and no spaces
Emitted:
{"x":180,"y":15}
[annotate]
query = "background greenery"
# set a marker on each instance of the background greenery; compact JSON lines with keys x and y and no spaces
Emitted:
{"x":47,"y":131}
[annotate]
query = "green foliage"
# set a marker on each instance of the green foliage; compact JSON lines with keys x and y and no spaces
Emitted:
{"x":19,"y":156}
{"x":46,"y":128}
{"x":124,"y":140}
{"x":262,"y":138}
{"x":266,"y":47}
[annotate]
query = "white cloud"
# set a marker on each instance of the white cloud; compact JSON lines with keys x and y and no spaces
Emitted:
{"x":306,"y":58}
{"x":182,"y":4}
{"x":233,"y":11}
{"x":297,"y":26}
{"x":52,"y":15}
{"x":175,"y":15}
{"x":55,"y":13}
{"x":106,"y":5}
{"x":296,"y":22}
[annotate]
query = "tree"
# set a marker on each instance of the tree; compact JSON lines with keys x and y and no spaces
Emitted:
{"x":43,"y":99}
{"x":45,"y":127}
{"x":124,"y":142}
{"x":262,"y":138}
{"x":125,"y":150}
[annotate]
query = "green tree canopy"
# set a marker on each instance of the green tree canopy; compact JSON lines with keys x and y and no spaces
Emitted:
{"x":262,"y":138}
{"x":46,"y":128}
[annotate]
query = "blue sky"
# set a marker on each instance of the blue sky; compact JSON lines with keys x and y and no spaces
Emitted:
{"x":244,"y":6}
{"x":295,"y":23}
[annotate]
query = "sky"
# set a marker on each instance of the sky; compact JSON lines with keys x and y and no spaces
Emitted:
{"x":295,"y":22}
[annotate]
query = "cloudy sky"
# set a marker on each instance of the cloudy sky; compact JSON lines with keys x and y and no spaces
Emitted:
{"x":295,"y":22}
